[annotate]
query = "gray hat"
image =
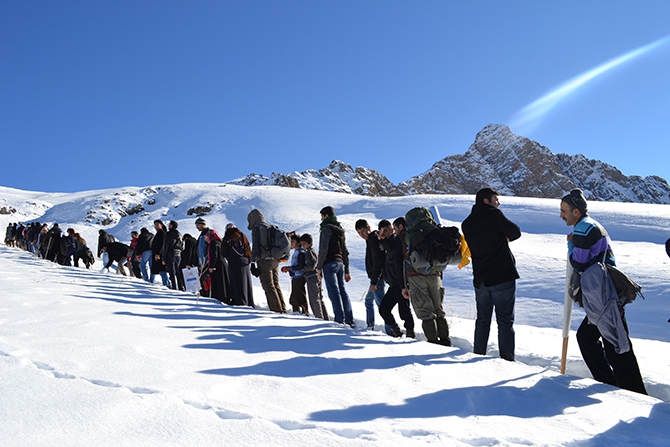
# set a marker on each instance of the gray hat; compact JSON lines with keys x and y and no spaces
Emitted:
{"x":200,"y":220}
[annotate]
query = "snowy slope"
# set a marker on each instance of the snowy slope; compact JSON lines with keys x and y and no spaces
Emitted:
{"x":88,"y":358}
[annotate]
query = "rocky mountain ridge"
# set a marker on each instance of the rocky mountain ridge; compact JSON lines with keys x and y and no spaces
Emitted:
{"x":511,"y":164}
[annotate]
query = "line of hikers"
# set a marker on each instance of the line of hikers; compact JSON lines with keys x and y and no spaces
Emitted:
{"x":404,"y":261}
{"x":50,"y":243}
{"x":222,"y":263}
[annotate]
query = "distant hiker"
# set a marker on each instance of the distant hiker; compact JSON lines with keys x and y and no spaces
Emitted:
{"x":298,"y":298}
{"x":424,"y":288}
{"x":314,"y":292}
{"x":41,"y":241}
{"x":374,"y":264}
{"x":217,"y":269}
{"x":132,"y":260}
{"x":189,"y":255}
{"x":333,"y":265}
{"x":55,"y":245}
{"x":116,"y":252}
{"x":70,"y":246}
{"x":202,"y":249}
{"x":612,"y":362}
{"x":157,"y":266}
{"x":488,"y":232}
{"x":171,"y":255}
{"x":10,"y":235}
{"x":143,"y":253}
{"x":394,"y":276}
{"x":268,"y":266}
{"x":83,"y":252}
{"x":237,"y":250}
{"x":104,"y":238}
{"x":32,"y":235}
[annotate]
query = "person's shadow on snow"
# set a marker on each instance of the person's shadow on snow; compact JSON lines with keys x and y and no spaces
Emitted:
{"x":489,"y":400}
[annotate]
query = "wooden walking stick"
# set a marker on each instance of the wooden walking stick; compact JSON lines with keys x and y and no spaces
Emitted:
{"x":567,"y":315}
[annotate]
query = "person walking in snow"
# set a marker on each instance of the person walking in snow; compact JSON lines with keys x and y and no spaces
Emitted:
{"x":104,"y":238}
{"x":237,"y":251}
{"x":83,"y":252}
{"x":312,"y":280}
{"x":143,"y":253}
{"x":268,"y":267}
{"x":217,"y":269}
{"x":333,"y":265}
{"x":70,"y":246}
{"x":116,"y":252}
{"x":488,"y":233}
{"x":157,"y":266}
{"x":394,"y":276}
{"x":298,"y":298}
{"x":171,"y":255}
{"x":425,"y":291}
{"x":606,"y":350}
{"x":202,"y":250}
{"x":374,"y":264}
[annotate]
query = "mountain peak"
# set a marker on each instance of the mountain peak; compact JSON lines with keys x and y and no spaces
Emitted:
{"x":511,"y":164}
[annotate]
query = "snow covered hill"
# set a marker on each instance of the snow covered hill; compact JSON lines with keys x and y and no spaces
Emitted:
{"x":91,"y":358}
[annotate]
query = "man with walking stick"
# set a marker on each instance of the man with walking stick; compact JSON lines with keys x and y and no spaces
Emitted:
{"x":611,"y":361}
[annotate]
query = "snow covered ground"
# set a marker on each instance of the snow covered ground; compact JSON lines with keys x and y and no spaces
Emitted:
{"x":89,"y":358}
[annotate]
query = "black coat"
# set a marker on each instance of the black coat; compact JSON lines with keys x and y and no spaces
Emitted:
{"x":144,"y":241}
{"x":239,"y":273}
{"x":374,"y":257}
{"x":220,"y":282}
{"x":172,"y":245}
{"x":116,"y":252}
{"x":393,"y":259}
{"x":156,"y":248}
{"x":487,"y":232}
{"x":104,"y":239}
{"x":55,"y":245}
{"x":189,"y":255}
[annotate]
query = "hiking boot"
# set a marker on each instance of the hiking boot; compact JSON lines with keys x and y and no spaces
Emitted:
{"x":443,"y":331}
{"x":410,"y":333}
{"x":444,"y":341}
{"x":430,"y":330}
{"x":397,"y":333}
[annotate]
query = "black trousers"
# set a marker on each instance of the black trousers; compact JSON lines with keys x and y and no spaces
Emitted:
{"x":392,"y":297}
{"x":605,"y":364}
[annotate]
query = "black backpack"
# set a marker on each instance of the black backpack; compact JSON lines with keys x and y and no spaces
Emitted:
{"x":431,"y":247}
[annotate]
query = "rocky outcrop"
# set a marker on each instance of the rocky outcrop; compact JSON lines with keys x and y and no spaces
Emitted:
{"x":511,"y":164}
{"x":338,"y":177}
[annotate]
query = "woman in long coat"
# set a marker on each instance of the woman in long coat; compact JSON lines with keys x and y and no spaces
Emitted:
{"x":218,"y":269}
{"x":237,"y":250}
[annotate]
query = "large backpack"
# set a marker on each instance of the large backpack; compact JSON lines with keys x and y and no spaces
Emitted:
{"x":431,"y":247}
{"x":279,"y":243}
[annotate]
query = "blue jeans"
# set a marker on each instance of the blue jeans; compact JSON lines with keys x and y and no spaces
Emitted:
{"x":502,"y":298}
{"x":370,"y":299}
{"x":333,"y":276}
{"x":165,"y":279}
{"x":145,"y":265}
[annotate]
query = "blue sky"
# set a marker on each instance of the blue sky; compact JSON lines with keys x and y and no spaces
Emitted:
{"x":114,"y":93}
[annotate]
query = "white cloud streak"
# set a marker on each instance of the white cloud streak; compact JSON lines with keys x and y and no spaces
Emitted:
{"x":530,"y":117}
